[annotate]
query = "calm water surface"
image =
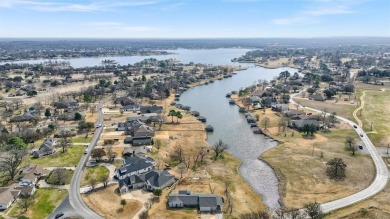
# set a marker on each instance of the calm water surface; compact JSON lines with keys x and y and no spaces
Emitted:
{"x":210,"y":101}
{"x":232,"y":127}
{"x":204,"y":56}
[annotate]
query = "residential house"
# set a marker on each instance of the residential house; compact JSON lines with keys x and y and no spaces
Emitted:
{"x":131,"y":108}
{"x":65,"y":132}
{"x":150,"y":181}
{"x":151,"y":109}
{"x":138,"y":151}
{"x":158,"y":180}
{"x":140,"y":131}
{"x":66,"y":104}
{"x":299,"y":124}
{"x":138,"y":141}
{"x":317,"y":97}
{"x":30,"y":174}
{"x":69,"y":116}
{"x":46,"y":148}
{"x":7,"y":196}
{"x":134,"y":165}
{"x":293,"y":114}
{"x":145,"y":118}
{"x":124,"y":101}
{"x":26,"y":117}
{"x":203,"y":202}
{"x":279,"y":107}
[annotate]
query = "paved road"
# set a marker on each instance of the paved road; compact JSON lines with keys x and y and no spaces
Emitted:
{"x":381,"y":178}
{"x":73,"y":204}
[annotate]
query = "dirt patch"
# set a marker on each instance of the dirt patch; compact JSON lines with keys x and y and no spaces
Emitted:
{"x":106,"y":203}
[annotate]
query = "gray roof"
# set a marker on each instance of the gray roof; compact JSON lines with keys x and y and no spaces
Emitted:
{"x":200,"y":200}
{"x":303,"y":122}
{"x":134,"y":163}
{"x":209,"y":200}
{"x":129,"y":180}
{"x":46,"y":148}
{"x":157,"y":178}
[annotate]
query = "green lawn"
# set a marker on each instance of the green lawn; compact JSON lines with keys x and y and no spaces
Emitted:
{"x":97,"y":172}
{"x":52,"y":178}
{"x":70,"y":158}
{"x":44,"y":203}
{"x":82,"y":139}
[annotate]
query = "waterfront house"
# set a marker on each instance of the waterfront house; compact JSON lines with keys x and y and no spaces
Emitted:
{"x":134,"y":165}
{"x":150,"y":181}
{"x":203,"y":202}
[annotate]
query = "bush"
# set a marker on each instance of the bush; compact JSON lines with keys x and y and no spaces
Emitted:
{"x":109,"y":141}
{"x":59,"y":176}
{"x":157,"y":192}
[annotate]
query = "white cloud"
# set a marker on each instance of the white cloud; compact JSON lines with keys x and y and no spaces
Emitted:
{"x":320,"y":9}
{"x":330,"y":11}
{"x":67,"y":6}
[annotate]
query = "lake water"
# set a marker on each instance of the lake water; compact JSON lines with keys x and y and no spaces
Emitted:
{"x":213,"y":56}
{"x":232,"y":127}
{"x":229,"y":125}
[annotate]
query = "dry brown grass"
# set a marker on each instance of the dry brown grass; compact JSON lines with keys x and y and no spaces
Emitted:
{"x":380,"y":207}
{"x":376,"y":111}
{"x":190,"y":134}
{"x":341,"y":108}
{"x":106,"y":203}
{"x":278,"y":63}
{"x":302,"y":171}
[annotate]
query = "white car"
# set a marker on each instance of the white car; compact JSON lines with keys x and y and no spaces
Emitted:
{"x":86,"y":151}
{"x":98,"y":125}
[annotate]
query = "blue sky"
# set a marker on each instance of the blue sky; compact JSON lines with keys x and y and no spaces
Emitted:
{"x":193,"y":18}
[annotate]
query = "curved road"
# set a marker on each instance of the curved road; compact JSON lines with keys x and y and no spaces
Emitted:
{"x":382,"y":173}
{"x":77,"y":205}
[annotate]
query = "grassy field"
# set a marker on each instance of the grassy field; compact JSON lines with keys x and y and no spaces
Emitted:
{"x":70,"y":158}
{"x":340,"y":108}
{"x":376,"y":111}
{"x":82,"y":139}
{"x":44,"y":203}
{"x":300,"y":163}
{"x":97,"y":172}
{"x":106,"y":203}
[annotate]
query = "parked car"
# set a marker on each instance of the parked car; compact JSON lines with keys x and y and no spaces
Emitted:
{"x":361,"y":147}
{"x":86,"y":151}
{"x":59,"y":215}
{"x":98,"y":125}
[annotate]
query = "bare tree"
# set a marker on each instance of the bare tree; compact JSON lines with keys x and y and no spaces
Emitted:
{"x":182,"y":169}
{"x":265,"y":122}
{"x":158,"y":144}
{"x":10,"y":161}
{"x":93,"y":182}
{"x":219,"y":148}
{"x":59,"y":176}
{"x":26,"y":202}
{"x":178,"y":154}
{"x":92,"y":109}
{"x":350,"y":141}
